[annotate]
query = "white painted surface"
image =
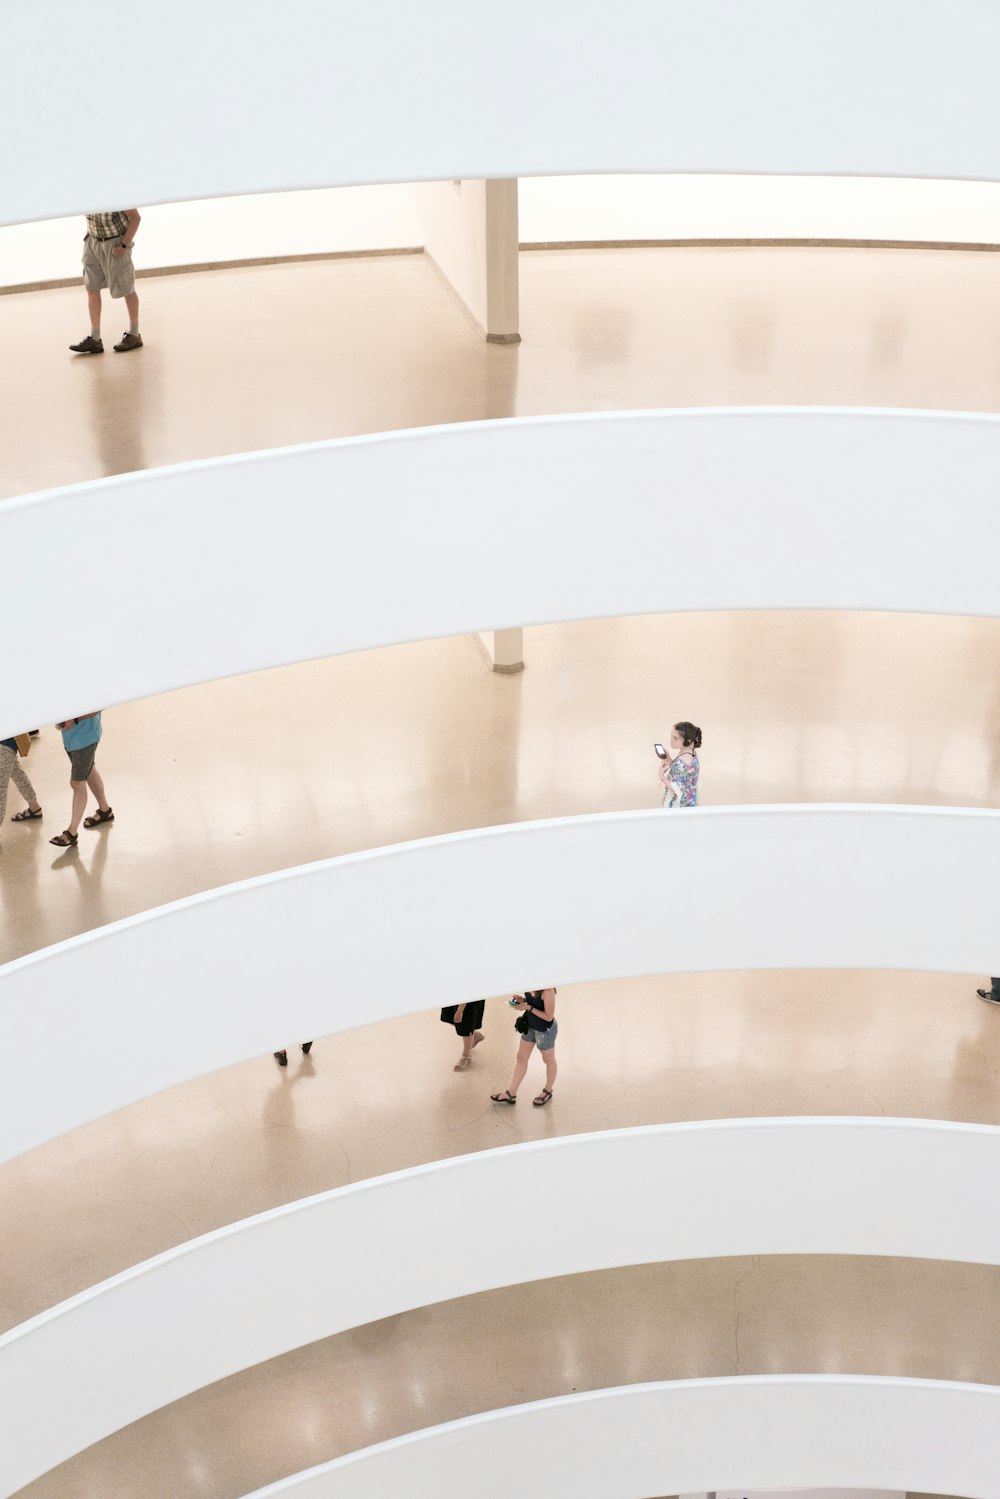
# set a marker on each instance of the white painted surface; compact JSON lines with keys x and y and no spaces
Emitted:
{"x":662,"y":1438}
{"x":266,"y":224}
{"x":394,"y":537}
{"x":454,"y":220}
{"x":625,"y":207}
{"x":744,"y":1493}
{"x":754,"y":207}
{"x":392,"y":92}
{"x":256,"y":1289}
{"x":292,"y":954}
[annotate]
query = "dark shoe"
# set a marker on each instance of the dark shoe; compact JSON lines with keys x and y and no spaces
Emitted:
{"x":505,"y":1097}
{"x":542,"y":1098}
{"x":307,"y":1047}
{"x":88,"y":345}
{"x":129,"y":341}
{"x":27,"y":815}
{"x":281,"y":1057}
{"x":990,"y":996}
{"x":98,"y":818}
{"x":65,"y":839}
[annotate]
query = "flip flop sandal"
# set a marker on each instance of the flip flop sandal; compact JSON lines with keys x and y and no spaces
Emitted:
{"x":542,"y":1098}
{"x":505,"y":1097}
{"x":98,"y":818}
{"x":26,"y":816}
{"x":65,"y":839}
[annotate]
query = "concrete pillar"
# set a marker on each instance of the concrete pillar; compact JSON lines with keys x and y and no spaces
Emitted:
{"x":471,"y":235}
{"x":503,"y":649}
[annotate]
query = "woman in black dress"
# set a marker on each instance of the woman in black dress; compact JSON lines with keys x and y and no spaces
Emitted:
{"x":466,"y":1019}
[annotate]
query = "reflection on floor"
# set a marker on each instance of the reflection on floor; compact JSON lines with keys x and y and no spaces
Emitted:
{"x":766,"y":1315}
{"x":385,"y":1097}
{"x":265,"y":356}
{"x":237,"y":778}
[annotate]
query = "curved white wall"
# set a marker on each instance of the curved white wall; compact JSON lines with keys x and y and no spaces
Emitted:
{"x":767,"y":1432}
{"x":624,"y":207}
{"x":394,"y":92}
{"x":292,"y":954}
{"x":492,"y":524}
{"x":634,"y":206}
{"x":778,"y":1186}
{"x":262,"y":224}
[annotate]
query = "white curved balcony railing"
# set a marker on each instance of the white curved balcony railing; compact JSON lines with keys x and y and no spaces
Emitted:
{"x":389,"y":92}
{"x":737,"y":1187}
{"x":368,"y":937}
{"x":766,"y":1432}
{"x":454,"y":529}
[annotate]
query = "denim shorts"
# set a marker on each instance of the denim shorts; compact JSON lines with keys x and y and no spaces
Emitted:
{"x":544,"y":1040}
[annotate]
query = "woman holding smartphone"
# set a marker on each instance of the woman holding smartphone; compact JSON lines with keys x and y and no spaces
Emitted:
{"x":680,"y":769}
{"x":538,"y":1028}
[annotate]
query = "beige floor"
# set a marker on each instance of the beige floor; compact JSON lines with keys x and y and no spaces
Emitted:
{"x":233,"y":779}
{"x":254,"y":774}
{"x":808,"y":1314}
{"x":265,"y":356}
{"x":385,"y":1098}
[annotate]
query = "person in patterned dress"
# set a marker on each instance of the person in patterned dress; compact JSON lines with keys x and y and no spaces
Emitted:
{"x":680,"y":770}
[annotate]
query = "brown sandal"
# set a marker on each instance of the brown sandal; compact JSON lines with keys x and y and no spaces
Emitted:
{"x":65,"y":839}
{"x":99,"y":817}
{"x":26,"y":816}
{"x":542,"y":1098}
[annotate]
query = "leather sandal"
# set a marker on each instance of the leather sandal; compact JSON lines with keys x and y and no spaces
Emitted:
{"x":65,"y":839}
{"x":542,"y":1098}
{"x":26,"y":816}
{"x":98,"y":818}
{"x":505,"y":1097}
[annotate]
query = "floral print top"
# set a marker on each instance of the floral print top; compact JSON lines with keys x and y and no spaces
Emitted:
{"x":681,"y":789}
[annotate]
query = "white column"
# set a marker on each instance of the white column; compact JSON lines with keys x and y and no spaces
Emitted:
{"x":503,"y":649}
{"x":470,"y":234}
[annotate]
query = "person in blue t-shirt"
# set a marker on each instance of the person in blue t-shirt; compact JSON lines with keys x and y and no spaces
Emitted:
{"x":81,"y":737}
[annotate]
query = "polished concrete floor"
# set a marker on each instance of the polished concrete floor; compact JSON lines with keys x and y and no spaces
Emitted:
{"x":265,"y":356}
{"x":809,"y":1314}
{"x":233,"y":779}
{"x":386,"y":1097}
{"x":236,"y":778}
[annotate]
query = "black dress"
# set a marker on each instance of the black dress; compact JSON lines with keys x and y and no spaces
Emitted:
{"x":472,"y":1018}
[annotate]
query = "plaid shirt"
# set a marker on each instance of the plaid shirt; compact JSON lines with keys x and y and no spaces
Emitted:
{"x":107,"y":225}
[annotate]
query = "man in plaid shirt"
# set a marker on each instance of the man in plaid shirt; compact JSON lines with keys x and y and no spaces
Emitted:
{"x":107,"y":262}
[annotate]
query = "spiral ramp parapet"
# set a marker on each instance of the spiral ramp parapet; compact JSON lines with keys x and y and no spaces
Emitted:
{"x":800,"y":508}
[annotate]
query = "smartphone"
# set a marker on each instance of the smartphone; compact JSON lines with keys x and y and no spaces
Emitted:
{"x":513,"y":1003}
{"x":660,"y":751}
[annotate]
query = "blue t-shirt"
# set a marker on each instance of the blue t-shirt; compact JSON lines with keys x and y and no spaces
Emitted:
{"x":80,"y":735}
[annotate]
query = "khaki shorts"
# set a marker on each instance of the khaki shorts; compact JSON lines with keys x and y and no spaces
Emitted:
{"x":101,"y":268}
{"x":81,"y":762}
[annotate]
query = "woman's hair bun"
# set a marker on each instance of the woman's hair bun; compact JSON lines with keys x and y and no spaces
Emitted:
{"x":691,"y":733}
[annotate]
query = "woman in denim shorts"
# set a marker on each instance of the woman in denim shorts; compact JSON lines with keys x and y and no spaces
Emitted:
{"x":538,"y":1009}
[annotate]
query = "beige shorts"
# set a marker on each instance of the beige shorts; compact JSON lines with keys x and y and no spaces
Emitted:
{"x":101,"y":268}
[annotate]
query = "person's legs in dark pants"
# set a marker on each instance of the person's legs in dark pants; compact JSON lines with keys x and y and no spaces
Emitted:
{"x":992,"y":995}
